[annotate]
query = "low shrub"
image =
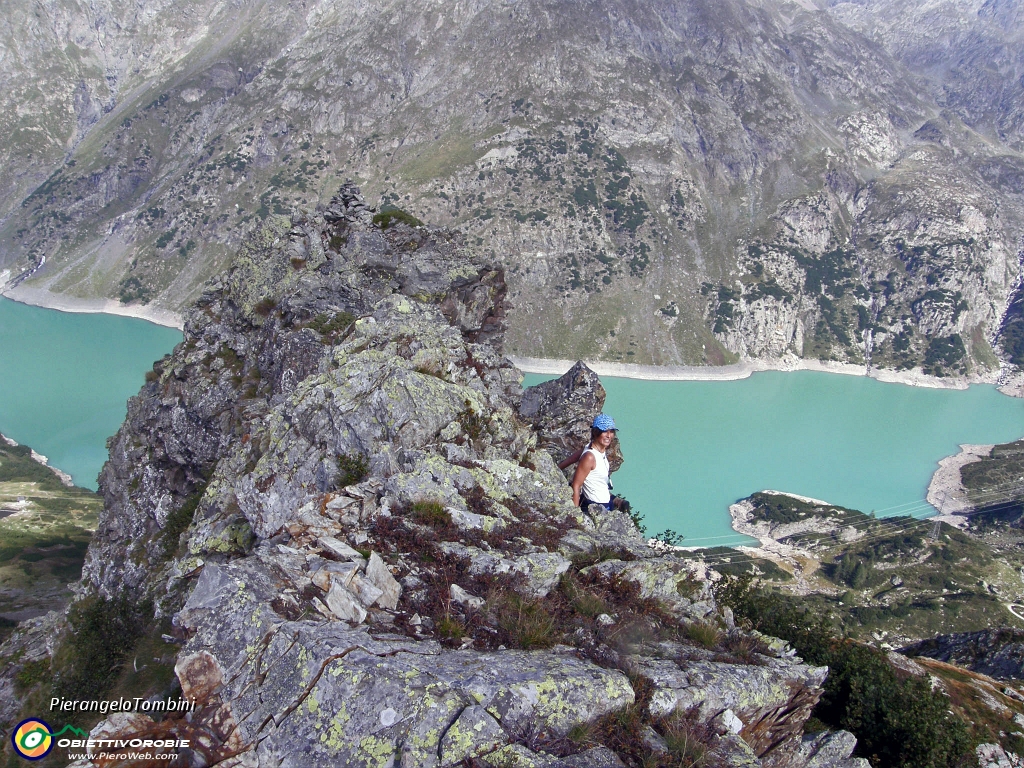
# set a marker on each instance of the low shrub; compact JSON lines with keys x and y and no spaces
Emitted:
{"x":331,"y":325}
{"x":102,"y":633}
{"x":264,"y":306}
{"x":431,"y":513}
{"x":581,"y":600}
{"x":178,"y":522}
{"x":690,"y":742}
{"x":389,"y":216}
{"x":524,"y":623}
{"x":450,"y":628}
{"x":30,"y":674}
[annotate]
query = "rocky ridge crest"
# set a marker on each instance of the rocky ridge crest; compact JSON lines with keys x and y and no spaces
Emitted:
{"x":369,"y":560}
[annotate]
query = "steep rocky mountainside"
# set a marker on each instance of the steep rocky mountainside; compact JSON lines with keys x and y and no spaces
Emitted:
{"x":670,"y":182}
{"x":329,"y":500}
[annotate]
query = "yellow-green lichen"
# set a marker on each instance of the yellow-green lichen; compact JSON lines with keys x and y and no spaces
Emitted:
{"x":335,"y":737}
{"x":375,"y":751}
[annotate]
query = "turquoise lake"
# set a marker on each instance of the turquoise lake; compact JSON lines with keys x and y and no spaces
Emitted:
{"x":693,"y":448}
{"x":65,"y":380}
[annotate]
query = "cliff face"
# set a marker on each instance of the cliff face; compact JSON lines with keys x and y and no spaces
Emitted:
{"x":672,"y":182}
{"x":368,"y":559}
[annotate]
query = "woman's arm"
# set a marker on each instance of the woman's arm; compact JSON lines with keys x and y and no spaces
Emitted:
{"x":572,"y":459}
{"x":584,"y":468}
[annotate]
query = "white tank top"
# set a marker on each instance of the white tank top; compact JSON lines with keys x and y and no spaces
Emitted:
{"x":595,"y":486}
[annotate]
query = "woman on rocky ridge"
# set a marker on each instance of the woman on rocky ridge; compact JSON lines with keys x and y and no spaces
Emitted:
{"x":590,"y":483}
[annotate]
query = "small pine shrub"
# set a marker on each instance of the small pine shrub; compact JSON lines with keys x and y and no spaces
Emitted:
{"x":671,"y":537}
{"x":352,"y":469}
{"x":178,"y":522}
{"x":638,"y":520}
{"x":450,"y":628}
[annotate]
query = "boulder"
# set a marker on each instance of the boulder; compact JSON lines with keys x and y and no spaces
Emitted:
{"x":831,"y":749}
{"x":563,"y":409}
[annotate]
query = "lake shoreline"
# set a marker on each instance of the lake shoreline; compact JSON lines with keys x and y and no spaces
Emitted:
{"x":742,"y":370}
{"x":40,"y":297}
{"x":946,"y":491}
{"x":1012,"y":385}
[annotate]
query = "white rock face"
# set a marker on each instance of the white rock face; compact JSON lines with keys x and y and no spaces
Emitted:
{"x":344,"y":605}
{"x":378,"y":574}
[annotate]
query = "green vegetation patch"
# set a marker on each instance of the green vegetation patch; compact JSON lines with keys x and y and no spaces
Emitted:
{"x":389,"y":216}
{"x":899,"y":721}
{"x":731,"y":562}
{"x":779,"y":508}
{"x":331,"y":326}
{"x":352,"y":469}
{"x":995,"y":479}
{"x":45,"y":528}
{"x":178,"y":521}
{"x":899,"y":577}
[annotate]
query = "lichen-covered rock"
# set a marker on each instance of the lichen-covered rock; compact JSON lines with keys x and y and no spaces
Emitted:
{"x":473,"y":733}
{"x":733,"y":752}
{"x":668,"y":580}
{"x":517,"y":756}
{"x":339,"y":695}
{"x":540,"y":570}
{"x":828,"y":750}
{"x":598,"y":757}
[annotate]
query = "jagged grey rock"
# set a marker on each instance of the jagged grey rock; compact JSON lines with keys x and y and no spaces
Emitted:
{"x":378,"y":574}
{"x":828,"y":750}
{"x":563,"y":409}
{"x":459,"y":595}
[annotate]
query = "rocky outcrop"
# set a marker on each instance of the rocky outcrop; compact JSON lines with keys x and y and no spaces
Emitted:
{"x":562,"y":410}
{"x":998,"y":653}
{"x":367,"y":556}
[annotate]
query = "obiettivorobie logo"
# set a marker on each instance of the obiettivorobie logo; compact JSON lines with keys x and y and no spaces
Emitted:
{"x":33,"y":739}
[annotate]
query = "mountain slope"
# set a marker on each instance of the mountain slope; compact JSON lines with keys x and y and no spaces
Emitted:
{"x":668,"y":182}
